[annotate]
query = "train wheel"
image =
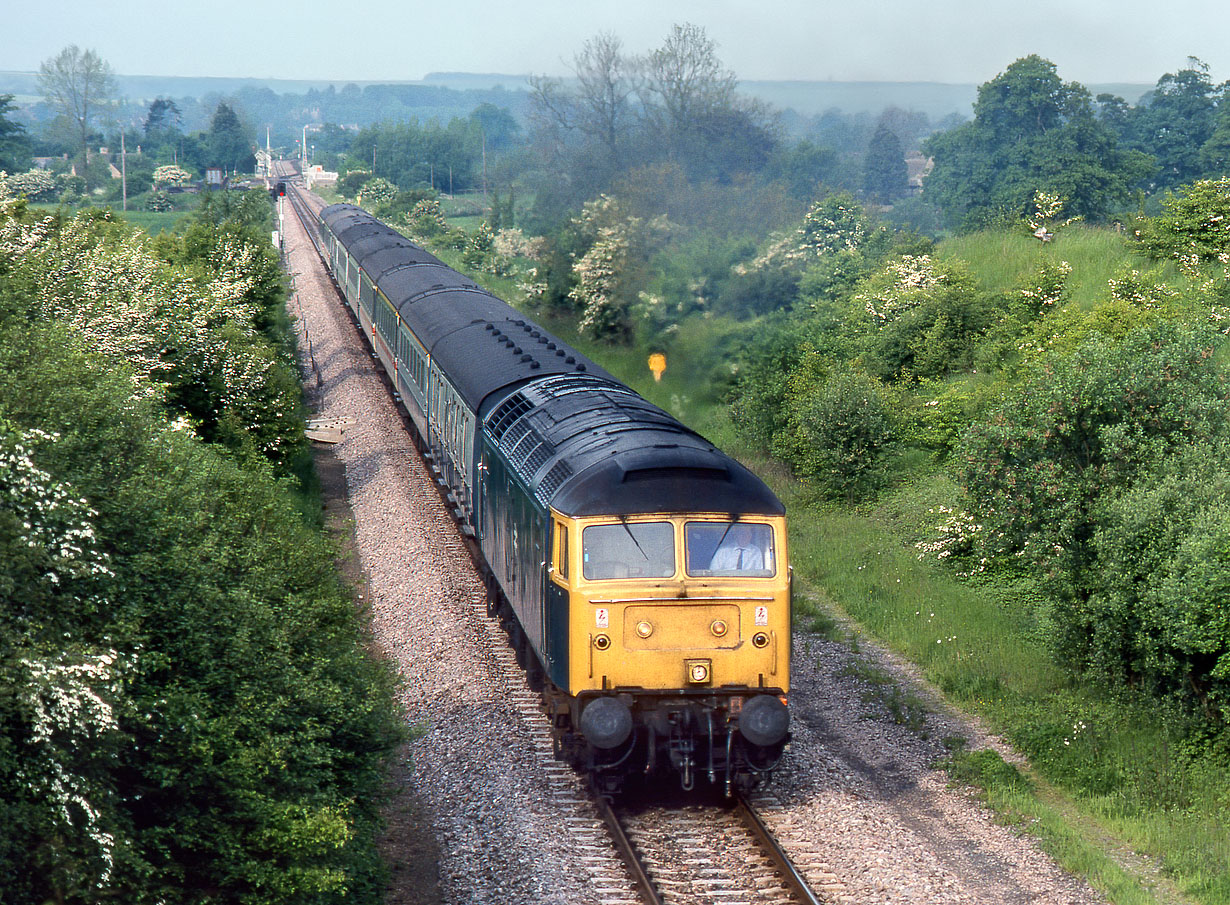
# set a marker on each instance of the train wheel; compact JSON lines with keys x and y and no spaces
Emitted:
{"x":519,"y":645}
{"x":535,"y":675}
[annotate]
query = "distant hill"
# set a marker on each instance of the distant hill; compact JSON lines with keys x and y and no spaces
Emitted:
{"x":935,"y":99}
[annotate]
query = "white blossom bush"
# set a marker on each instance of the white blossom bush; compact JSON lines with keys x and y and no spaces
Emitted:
{"x":596,"y":293}
{"x":377,"y":191}
{"x":832,"y":226}
{"x":1046,"y":217}
{"x":169,"y":326}
{"x":1049,"y":288}
{"x":49,"y":516}
{"x":171,"y":175}
{"x":70,"y":701}
{"x":36,"y":185}
{"x":533,"y":287}
{"x":782,"y":250}
{"x":513,"y":243}
{"x":504,"y":253}
{"x":903,"y":284}
{"x":67,"y":700}
{"x":426,"y":219}
{"x":1141,"y":290}
{"x":959,"y":536}
{"x":607,"y":272}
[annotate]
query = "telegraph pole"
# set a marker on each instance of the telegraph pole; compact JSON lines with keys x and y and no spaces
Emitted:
{"x":124,"y":170}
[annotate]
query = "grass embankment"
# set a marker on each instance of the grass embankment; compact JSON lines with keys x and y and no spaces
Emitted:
{"x":1107,"y":778}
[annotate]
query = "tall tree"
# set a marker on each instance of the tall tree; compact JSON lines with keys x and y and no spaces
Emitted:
{"x":599,"y":113}
{"x":691,"y":105}
{"x":163,"y":118}
{"x":14,"y":146}
{"x":685,"y":78}
{"x":1174,"y":122}
{"x":604,"y":103}
{"x":499,"y":128}
{"x":80,"y":84}
{"x":1031,"y":131}
{"x":1215,"y":154}
{"x":230,"y":145}
{"x":885,"y":174}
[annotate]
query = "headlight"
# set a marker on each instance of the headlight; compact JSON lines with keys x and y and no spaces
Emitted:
{"x":644,"y":629}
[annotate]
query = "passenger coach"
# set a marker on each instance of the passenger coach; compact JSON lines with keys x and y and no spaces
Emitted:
{"x":642,"y":574}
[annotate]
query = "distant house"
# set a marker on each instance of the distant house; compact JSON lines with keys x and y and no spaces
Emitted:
{"x":918,"y":168}
{"x":215,"y":178}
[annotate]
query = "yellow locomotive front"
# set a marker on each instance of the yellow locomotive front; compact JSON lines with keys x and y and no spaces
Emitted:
{"x":679,"y":643}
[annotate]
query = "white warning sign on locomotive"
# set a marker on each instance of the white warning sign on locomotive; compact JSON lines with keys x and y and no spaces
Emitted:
{"x":762,"y":615}
{"x":603,"y":617}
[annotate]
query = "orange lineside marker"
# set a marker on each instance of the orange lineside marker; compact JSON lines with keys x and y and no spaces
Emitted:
{"x":657,"y":364}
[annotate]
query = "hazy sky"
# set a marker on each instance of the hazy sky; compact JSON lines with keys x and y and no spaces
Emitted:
{"x":967,"y":41}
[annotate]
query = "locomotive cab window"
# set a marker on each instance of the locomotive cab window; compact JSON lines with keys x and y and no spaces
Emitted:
{"x":561,"y":550}
{"x":628,"y":550}
{"x":729,"y":549}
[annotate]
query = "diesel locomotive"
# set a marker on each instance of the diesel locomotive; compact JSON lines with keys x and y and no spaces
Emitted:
{"x":641,"y":573}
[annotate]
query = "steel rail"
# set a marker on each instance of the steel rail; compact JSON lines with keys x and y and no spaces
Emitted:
{"x":790,"y":874}
{"x":627,"y":851}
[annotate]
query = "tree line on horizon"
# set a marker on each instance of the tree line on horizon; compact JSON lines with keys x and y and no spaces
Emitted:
{"x":620,"y":113}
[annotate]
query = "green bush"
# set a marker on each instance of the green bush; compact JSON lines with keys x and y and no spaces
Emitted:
{"x":839,"y":432}
{"x":1158,"y":616}
{"x":1194,"y":224}
{"x":350,"y":184}
{"x":925,"y":315}
{"x":1086,"y":428}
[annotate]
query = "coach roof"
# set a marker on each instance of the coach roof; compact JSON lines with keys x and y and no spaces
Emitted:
{"x":481,"y":343}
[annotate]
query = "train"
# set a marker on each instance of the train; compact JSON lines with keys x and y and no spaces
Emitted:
{"x":641,"y":573}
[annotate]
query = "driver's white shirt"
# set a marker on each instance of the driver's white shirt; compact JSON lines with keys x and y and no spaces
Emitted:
{"x":730,"y":558}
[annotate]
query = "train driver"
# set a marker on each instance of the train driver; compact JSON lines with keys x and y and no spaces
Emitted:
{"x":738,"y":553}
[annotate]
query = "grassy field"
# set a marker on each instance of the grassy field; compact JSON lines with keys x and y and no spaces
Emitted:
{"x":1005,"y":260}
{"x":150,"y":221}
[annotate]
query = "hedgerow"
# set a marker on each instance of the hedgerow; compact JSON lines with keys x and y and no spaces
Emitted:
{"x":187,"y":713}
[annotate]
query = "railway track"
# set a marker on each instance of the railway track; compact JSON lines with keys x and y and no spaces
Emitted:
{"x":698,"y":852}
{"x":687,"y":852}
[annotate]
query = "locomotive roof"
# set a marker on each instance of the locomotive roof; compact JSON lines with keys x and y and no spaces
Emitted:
{"x":590,"y":446}
{"x":483,"y":344}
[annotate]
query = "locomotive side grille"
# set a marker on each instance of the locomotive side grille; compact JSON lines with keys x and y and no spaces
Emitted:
{"x":508,"y":412}
{"x":560,"y":472}
{"x":512,"y":439}
{"x":536,"y":459}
